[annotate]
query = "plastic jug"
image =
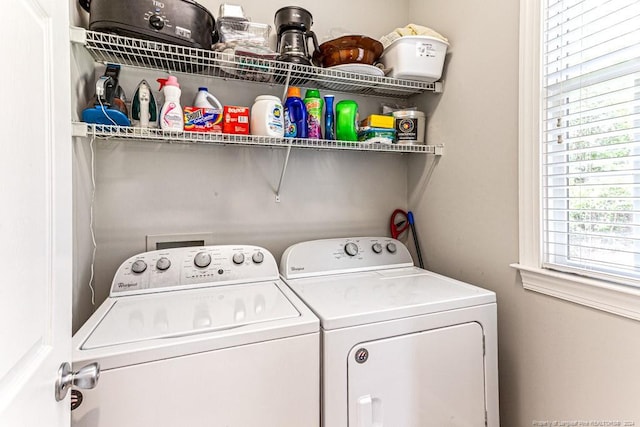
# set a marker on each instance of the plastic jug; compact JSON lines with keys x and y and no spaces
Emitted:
{"x":347,"y":120}
{"x":204,"y":99}
{"x":295,"y":115}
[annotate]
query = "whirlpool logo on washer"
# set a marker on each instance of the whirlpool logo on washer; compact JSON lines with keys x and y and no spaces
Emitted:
{"x":122,"y":285}
{"x":292,"y":268}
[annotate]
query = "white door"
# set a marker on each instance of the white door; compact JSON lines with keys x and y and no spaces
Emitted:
{"x":427,"y":379}
{"x":35,"y":211}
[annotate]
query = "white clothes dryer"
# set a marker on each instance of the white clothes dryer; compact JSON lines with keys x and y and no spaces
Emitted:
{"x":401,"y":346}
{"x":200,"y":336}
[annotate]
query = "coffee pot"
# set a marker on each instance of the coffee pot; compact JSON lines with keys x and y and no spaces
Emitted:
{"x":293,"y":24}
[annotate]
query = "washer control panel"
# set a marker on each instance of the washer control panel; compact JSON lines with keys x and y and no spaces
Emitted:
{"x":330,"y":256}
{"x":192,"y":267}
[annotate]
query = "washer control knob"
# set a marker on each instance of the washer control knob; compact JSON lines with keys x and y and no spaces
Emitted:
{"x":163,"y":264}
{"x":377,"y":248}
{"x":202,"y":259}
{"x":156,"y":22}
{"x":238,"y":258}
{"x":139,"y":266}
{"x":351,"y":249}
{"x":391,"y":247}
{"x":258,"y":257}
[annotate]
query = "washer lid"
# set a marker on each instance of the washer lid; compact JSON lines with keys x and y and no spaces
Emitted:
{"x":183,"y":313}
{"x":352,"y":299}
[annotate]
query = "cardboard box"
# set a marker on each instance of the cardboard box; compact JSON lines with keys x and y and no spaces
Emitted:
{"x":378,"y":121}
{"x":236,"y":120}
{"x":202,"y":119}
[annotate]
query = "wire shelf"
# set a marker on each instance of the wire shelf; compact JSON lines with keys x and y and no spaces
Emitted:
{"x":105,"y":47}
{"x":159,"y":135}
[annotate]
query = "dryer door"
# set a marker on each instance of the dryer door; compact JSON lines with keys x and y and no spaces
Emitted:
{"x":432,"y":378}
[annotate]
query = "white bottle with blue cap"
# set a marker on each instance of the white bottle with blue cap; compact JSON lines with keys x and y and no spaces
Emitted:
{"x":204,"y":99}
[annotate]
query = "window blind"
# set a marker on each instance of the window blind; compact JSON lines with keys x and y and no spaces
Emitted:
{"x":590,"y":147}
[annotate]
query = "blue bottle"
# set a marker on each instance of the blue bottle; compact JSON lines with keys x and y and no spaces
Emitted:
{"x":295,"y":115}
{"x":329,"y":121}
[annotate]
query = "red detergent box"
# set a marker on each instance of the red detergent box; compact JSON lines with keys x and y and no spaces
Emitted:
{"x":236,"y":120}
{"x":202,"y":119}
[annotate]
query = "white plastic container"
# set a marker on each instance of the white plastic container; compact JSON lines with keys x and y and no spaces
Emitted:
{"x":171,"y":115}
{"x":267,"y":116}
{"x":204,"y":99}
{"x":415,"y":58}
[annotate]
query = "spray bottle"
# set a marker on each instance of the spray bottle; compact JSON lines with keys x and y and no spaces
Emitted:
{"x":171,"y":115}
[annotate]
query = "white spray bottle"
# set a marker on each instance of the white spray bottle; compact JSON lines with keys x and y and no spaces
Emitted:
{"x":171,"y":115}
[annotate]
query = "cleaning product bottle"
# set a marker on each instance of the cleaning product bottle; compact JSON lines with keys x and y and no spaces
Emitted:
{"x":347,"y":120}
{"x":204,"y":99}
{"x":329,"y":123}
{"x":171,"y":114}
{"x":295,"y":115}
{"x":314,"y":104}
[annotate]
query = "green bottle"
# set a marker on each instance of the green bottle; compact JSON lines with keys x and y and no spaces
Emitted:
{"x":347,"y":120}
{"x":314,"y":104}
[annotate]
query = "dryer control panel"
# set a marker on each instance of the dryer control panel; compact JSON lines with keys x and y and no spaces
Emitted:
{"x":193,"y":267}
{"x":351,"y":254}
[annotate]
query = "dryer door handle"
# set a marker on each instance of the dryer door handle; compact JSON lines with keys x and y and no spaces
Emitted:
{"x":369,"y":411}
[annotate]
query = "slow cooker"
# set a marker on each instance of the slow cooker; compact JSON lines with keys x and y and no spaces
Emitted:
{"x":181,"y":22}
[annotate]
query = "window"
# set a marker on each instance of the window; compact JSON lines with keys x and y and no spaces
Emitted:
{"x":580,"y":151}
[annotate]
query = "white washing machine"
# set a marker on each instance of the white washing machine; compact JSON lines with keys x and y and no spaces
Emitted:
{"x":200,"y":336}
{"x":400,"y":346}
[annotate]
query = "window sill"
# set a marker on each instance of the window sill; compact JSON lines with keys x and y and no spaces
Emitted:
{"x":612,"y":298}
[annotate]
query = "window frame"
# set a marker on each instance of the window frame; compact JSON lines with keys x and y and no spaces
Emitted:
{"x":599,"y":294}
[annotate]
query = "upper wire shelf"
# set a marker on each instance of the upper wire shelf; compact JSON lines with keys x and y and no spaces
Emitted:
{"x":146,"y":134}
{"x":105,"y":47}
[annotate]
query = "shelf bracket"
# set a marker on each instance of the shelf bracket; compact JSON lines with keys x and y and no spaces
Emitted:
{"x":284,"y":169}
{"x":78,"y":35}
{"x":79,"y":129}
{"x":286,"y":83}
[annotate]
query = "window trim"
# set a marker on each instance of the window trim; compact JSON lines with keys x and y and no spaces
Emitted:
{"x":610,"y":297}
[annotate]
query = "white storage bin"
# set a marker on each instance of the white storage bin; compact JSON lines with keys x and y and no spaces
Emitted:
{"x":415,"y":58}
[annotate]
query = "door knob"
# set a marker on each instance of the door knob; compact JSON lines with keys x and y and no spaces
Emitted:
{"x":85,"y":378}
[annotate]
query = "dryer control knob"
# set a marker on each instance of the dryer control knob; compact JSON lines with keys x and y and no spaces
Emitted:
{"x":202,"y":259}
{"x":377,"y":248}
{"x":238,"y":258}
{"x":258,"y":257}
{"x":139,"y":266}
{"x":391,"y":247}
{"x":351,"y":249}
{"x":163,"y":264}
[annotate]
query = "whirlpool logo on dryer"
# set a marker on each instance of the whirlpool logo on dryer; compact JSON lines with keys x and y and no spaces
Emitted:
{"x":297,"y":268}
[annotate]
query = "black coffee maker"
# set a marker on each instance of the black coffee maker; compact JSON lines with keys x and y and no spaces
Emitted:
{"x":293,"y":24}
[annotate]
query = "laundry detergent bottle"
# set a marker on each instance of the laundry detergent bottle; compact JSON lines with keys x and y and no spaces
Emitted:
{"x":171,"y":115}
{"x":204,"y":99}
{"x":295,"y":115}
{"x":314,"y":105}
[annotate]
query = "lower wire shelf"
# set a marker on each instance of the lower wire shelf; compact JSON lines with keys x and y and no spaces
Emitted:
{"x":81,"y":129}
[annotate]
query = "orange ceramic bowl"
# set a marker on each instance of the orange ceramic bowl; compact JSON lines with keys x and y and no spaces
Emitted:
{"x":348,"y":50}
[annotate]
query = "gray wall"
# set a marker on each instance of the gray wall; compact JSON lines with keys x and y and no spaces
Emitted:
{"x":558,"y":360}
